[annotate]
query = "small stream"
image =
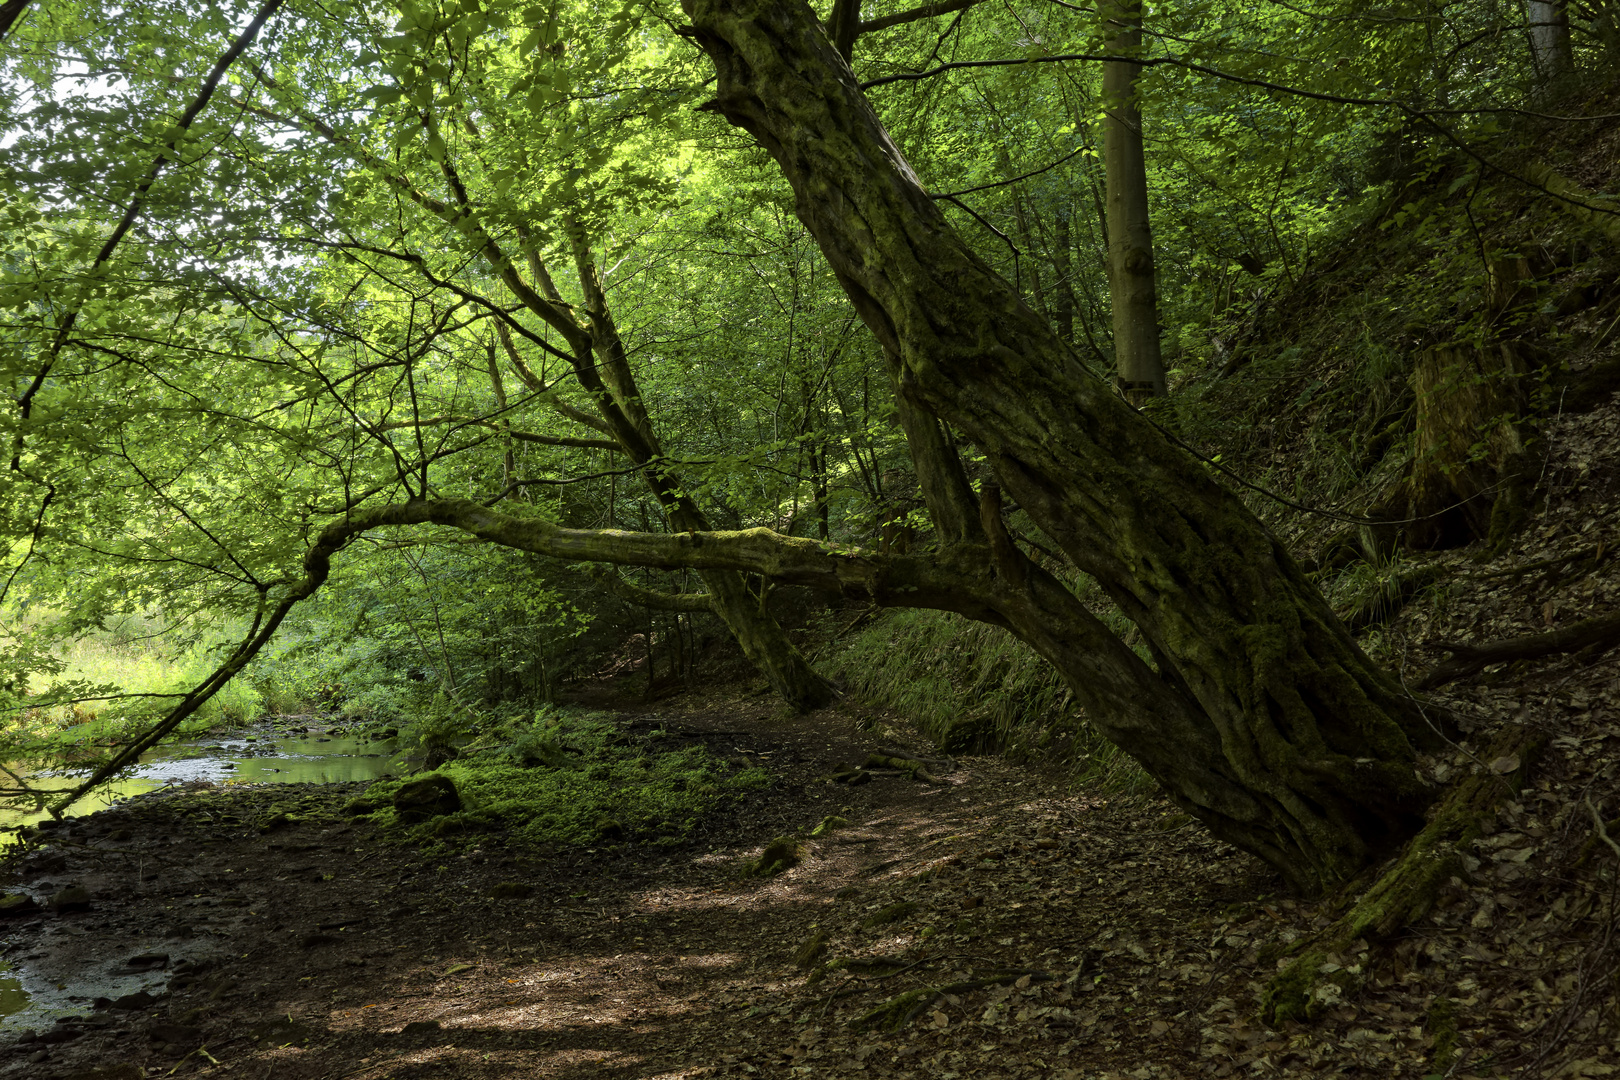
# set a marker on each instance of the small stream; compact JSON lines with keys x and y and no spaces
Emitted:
{"x":264,"y":757}
{"x":253,"y":756}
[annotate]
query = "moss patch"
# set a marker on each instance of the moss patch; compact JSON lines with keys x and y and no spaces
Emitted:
{"x":610,"y":788}
{"x":783,"y":853}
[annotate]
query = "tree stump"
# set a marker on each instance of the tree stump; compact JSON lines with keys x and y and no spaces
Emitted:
{"x":1470,"y":453}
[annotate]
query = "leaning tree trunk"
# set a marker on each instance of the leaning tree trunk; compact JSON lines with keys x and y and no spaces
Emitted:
{"x":1314,"y":741}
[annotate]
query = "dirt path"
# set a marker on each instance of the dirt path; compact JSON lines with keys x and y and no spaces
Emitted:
{"x":1110,"y":938}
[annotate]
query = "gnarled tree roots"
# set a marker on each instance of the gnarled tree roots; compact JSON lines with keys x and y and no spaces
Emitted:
{"x":1334,"y":963}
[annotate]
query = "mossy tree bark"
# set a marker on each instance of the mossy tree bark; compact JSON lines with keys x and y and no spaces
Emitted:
{"x":1470,"y":454}
{"x":1315,"y":744}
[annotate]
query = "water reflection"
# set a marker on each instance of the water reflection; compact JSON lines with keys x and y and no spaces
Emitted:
{"x":13,"y":998}
{"x":294,"y":759}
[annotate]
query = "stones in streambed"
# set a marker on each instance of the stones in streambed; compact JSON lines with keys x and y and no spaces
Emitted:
{"x":188,"y":973}
{"x":184,"y":1035}
{"x":46,"y":862}
{"x":72,"y":898}
{"x":135,"y":1002}
{"x":124,"y":1071}
{"x":147,"y":961}
{"x":17,"y":904}
{"x":511,"y":890}
{"x":429,"y":797}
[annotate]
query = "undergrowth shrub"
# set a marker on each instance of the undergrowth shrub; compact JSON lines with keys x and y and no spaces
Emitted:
{"x":399,"y":632}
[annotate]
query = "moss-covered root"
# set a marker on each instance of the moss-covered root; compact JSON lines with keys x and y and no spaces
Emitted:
{"x":1326,"y":967}
{"x":783,"y":853}
{"x":897,"y":1012}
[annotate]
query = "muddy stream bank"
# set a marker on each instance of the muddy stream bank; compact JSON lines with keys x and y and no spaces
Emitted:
{"x":103,"y":854}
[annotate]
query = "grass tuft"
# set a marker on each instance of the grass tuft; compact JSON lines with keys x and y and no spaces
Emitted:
{"x":974,"y":688}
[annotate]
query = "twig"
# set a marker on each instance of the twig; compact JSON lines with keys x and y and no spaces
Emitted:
{"x":1602,"y":829}
{"x":920,"y":963}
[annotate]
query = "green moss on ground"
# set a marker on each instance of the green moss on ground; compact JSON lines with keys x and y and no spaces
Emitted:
{"x":605,"y":787}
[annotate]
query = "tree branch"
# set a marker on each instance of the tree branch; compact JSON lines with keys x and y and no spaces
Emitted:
{"x":10,"y":12}
{"x":521,"y":436}
{"x":181,"y":128}
{"x":927,"y":11}
{"x":1467,"y":659}
{"x":651,"y":598}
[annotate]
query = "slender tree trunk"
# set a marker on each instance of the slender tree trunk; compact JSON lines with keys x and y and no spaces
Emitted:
{"x":1130,"y":239}
{"x":1313,"y":746}
{"x":818,"y":487}
{"x":1549,"y":41}
{"x":1063,"y":262}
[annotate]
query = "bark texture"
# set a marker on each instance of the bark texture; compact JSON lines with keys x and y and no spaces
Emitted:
{"x":1549,"y":40}
{"x":1131,"y":283}
{"x":1308,"y":748}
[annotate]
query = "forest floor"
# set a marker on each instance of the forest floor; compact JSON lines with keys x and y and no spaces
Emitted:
{"x":1110,"y":937}
{"x":1029,"y":927}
